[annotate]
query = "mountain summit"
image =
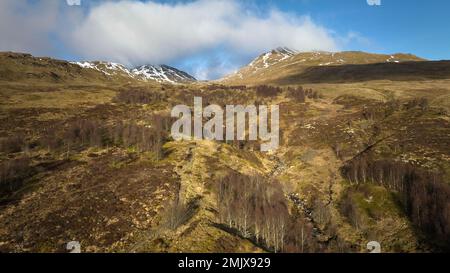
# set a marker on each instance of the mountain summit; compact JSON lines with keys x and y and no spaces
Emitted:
{"x":284,"y":61}
{"x":159,"y":73}
{"x":22,"y":66}
{"x":162,"y":73}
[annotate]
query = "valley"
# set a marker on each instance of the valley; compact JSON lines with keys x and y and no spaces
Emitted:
{"x":86,"y":155}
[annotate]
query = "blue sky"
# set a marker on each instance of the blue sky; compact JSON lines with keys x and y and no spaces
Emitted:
{"x":210,"y":38}
{"x":414,"y":26}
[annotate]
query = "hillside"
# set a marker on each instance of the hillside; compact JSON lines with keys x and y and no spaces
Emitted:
{"x":159,"y":73}
{"x":404,"y":71}
{"x":284,"y":66}
{"x":24,"y":67}
{"x":86,"y":156}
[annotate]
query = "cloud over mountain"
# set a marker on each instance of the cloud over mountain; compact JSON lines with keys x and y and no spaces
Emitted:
{"x":136,"y":32}
{"x":26,"y":26}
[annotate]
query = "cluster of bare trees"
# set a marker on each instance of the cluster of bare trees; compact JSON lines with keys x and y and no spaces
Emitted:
{"x":177,"y":212}
{"x":257,"y":208}
{"x":139,"y":96}
{"x":320,"y":212}
{"x":76,"y":134}
{"x":214,"y":87}
{"x":13,"y":144}
{"x":300,"y":94}
{"x":83,"y":133}
{"x":383,"y":110}
{"x":350,"y":210}
{"x":246,"y":145}
{"x":299,"y":237}
{"x":422,"y":103}
{"x":238,"y":87}
{"x":427,"y":203}
{"x":425,"y":195}
{"x":143,"y":138}
{"x":297,"y":94}
{"x":310,"y":94}
{"x":268,"y":91}
{"x":12,"y":173}
{"x":50,"y":138}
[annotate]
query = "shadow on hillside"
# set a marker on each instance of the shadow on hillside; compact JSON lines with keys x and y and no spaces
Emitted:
{"x":407,"y":71}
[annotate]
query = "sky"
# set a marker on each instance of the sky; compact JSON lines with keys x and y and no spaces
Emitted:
{"x":212,"y":38}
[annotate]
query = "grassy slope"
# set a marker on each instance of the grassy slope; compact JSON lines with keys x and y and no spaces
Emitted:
{"x":340,"y":67}
{"x":113,"y":199}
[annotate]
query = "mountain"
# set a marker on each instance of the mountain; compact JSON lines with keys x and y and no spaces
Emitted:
{"x":107,"y":68}
{"x":162,"y":73}
{"x":280,"y":63}
{"x":265,"y":61}
{"x":25,"y":67}
{"x":271,"y":58}
{"x":86,"y":154}
{"x":159,"y":73}
{"x":401,"y":71}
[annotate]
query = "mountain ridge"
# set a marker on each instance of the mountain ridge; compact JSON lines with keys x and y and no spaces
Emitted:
{"x":160,"y":73}
{"x":282,"y":61}
{"x":25,"y":66}
{"x":89,"y":156}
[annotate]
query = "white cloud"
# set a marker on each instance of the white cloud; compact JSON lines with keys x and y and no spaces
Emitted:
{"x":134,"y":32}
{"x":353,"y":36}
{"x":26,"y":26}
{"x":212,"y":66}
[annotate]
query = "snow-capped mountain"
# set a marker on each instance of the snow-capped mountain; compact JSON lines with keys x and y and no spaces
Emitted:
{"x":284,"y":61}
{"x":263,"y":62}
{"x":160,"y":73}
{"x":107,"y":68}
{"x":272,"y":57}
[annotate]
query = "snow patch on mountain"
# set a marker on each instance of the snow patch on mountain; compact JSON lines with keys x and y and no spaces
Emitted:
{"x":272,"y":57}
{"x":160,"y":73}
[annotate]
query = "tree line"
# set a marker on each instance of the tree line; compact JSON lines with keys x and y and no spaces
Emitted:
{"x":13,"y":144}
{"x":139,"y":96}
{"x":12,"y":173}
{"x":214,"y":87}
{"x":300,"y":94}
{"x":257,"y":208}
{"x":424,"y":194}
{"x":81,"y":133}
{"x":268,"y":90}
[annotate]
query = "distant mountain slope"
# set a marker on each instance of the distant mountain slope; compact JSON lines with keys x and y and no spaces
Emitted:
{"x":107,"y":68}
{"x":159,"y":73}
{"x":283,"y":63}
{"x":25,"y":67}
{"x":404,"y":71}
{"x":162,"y":73}
{"x":269,"y":59}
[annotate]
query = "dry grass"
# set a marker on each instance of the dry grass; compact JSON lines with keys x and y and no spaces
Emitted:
{"x":112,"y":197}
